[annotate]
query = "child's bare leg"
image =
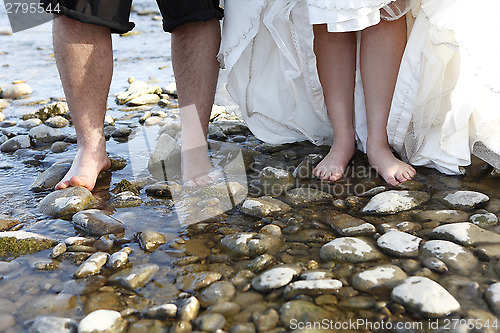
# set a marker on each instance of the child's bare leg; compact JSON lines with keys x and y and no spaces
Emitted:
{"x":336,"y":61}
{"x":382,"y":48}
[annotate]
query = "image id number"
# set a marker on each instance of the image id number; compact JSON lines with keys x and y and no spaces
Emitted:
{"x":30,"y":8}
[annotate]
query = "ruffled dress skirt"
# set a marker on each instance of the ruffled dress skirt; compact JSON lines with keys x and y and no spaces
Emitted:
{"x":445,"y":104}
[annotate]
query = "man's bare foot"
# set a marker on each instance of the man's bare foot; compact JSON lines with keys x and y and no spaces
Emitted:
{"x":332,"y":167}
{"x":393,"y":170}
{"x":197,"y":170}
{"x":85,"y":169}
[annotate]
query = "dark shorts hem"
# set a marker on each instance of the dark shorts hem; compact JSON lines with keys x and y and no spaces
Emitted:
{"x":204,"y":15}
{"x":116,"y":28}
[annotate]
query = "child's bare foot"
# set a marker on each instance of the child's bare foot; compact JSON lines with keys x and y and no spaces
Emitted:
{"x":85,"y":169}
{"x":332,"y":167}
{"x":393,"y":170}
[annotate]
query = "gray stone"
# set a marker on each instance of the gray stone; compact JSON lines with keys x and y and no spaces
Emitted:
{"x":124,"y":200}
{"x":15,"y":91}
{"x":210,"y":322}
{"x":492,"y":296}
{"x":243,"y":328}
{"x":305,"y":195}
{"x":92,"y":265}
{"x":30,"y":123}
{"x":488,"y":252}
{"x":305,"y":169}
{"x":46,"y":134}
{"x":122,"y":132}
{"x":58,"y":250}
{"x":275,"y":278}
{"x":136,"y":90}
{"x":350,"y":249}
{"x":57,"y":122}
{"x":134,"y":277}
{"x":59,"y":147}
{"x":465,"y":233}
{"x":300,"y":311}
{"x":456,"y":257}
{"x":163,"y":189}
{"x":165,"y":156}
{"x":23,"y":242}
{"x":119,"y":258}
{"x":442,"y":215}
{"x":144,"y":99}
{"x":160,"y":312}
{"x":399,"y":244}
{"x":102,"y":321}
{"x":45,"y":304}
{"x":383,"y":277}
{"x":96,"y":222}
{"x":435,"y":265}
{"x":275,"y":181}
{"x":266,"y":320}
{"x":347,"y":225}
{"x":484,"y":219}
{"x":66,"y":202}
{"x":225,"y":308}
{"x":252,"y":244}
{"x":217,"y":292}
{"x":261,"y":262}
{"x":312,"y":287}
{"x":392,"y":202}
{"x":189,"y":308}
{"x":8,"y":123}
{"x":48,"y":179}
{"x":44,"y":324}
{"x":264,"y":206}
{"x":15,"y":143}
{"x":150,"y":240}
{"x":425,"y":296}
{"x":196,"y":281}
{"x":461,"y":199}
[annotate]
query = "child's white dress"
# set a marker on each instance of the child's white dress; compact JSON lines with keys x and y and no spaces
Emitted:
{"x":267,"y":49}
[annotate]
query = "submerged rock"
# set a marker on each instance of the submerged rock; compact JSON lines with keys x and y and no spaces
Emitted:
{"x":484,"y":219}
{"x":44,"y":324}
{"x":442,"y":215}
{"x":46,"y":134}
{"x":134,"y":277}
{"x":300,"y":196}
{"x":217,"y":292}
{"x":102,"y":321}
{"x":210,"y":322}
{"x":492,"y":297}
{"x":150,"y":240}
{"x":97,"y":222}
{"x":250,"y":243}
{"x":275,"y":278}
{"x":15,"y":143}
{"x":392,"y":202}
{"x":264,"y":206}
{"x":119,"y":258}
{"x":124,"y":200}
{"x":92,"y":265}
{"x":425,"y":296}
{"x":275,"y":181}
{"x":462,"y":199}
{"x":350,"y":249}
{"x":66,"y":202}
{"x":347,"y":225}
{"x":312,"y":287}
{"x":48,"y":179}
{"x":301,"y":311}
{"x":14,"y":243}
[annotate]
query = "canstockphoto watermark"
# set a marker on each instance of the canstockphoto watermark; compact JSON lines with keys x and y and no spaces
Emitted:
{"x":27,"y":14}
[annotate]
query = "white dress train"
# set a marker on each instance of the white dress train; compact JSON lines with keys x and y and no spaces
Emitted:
{"x":446,"y":104}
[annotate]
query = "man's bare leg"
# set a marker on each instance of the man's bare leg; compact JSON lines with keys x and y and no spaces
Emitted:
{"x":194,"y":58}
{"x":336,"y":61}
{"x":84,"y":59}
{"x":382,"y":48}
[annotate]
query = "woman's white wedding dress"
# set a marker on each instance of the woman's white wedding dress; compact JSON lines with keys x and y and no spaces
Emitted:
{"x":446,"y":104}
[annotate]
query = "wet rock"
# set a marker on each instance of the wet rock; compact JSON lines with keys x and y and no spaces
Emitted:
{"x":312,"y":287}
{"x":425,"y":296}
{"x":109,"y":120}
{"x":305,"y":169}
{"x":357,"y":303}
{"x":48,"y":179}
{"x":347,"y":225}
{"x":44,"y":324}
{"x":243,"y":328}
{"x":245,"y":243}
{"x":15,"y":143}
{"x":92,"y":265}
{"x":74,"y":257}
{"x":96,"y":222}
{"x":225,"y":308}
{"x":484,"y":219}
{"x":58,"y":250}
{"x":217,"y":292}
{"x":399,"y":244}
{"x":435,"y":265}
{"x":79,"y":240}
{"x":126,"y":186}
{"x":66,"y":202}
{"x":3,"y":138}
{"x":392,"y":202}
{"x":264,"y":206}
{"x":488,"y":252}
{"x":136,"y":90}
{"x":160,"y":312}
{"x":148,"y":325}
{"x":124,"y":200}
{"x":59,"y":147}
{"x":163,"y":189}
{"x":300,"y":311}
{"x":188,"y":309}
{"x":153,"y":120}
{"x":57,"y":122}
{"x":230,"y":127}
{"x":275,"y":278}
{"x":150,"y":240}
{"x":461,"y":199}
{"x":6,"y":222}
{"x":8,"y":123}
{"x":46,"y":134}
{"x":456,"y":257}
{"x":49,"y":110}
{"x":3,"y":104}
{"x":15,"y":91}
{"x":134,"y":277}
{"x":23,"y":242}
{"x":117,"y":162}
{"x":350,"y":249}
{"x":122,"y":132}
{"x":165,"y":156}
{"x":465,"y":233}
{"x":30,"y":123}
{"x":119,"y":258}
{"x":304,"y":195}
{"x":442,"y":215}
{"x":275,"y":181}
{"x":2,"y":116}
{"x":144,"y":99}
{"x":261,"y":262}
{"x":492,"y":297}
{"x":266,"y":320}
{"x":196,"y":281}
{"x":210,"y":322}
{"x":102,"y":321}
{"x":46,"y":265}
{"x":181,"y":327}
{"x":242,"y":280}
{"x":382,"y":277}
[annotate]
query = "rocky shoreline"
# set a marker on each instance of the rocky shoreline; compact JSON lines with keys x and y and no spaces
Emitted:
{"x":291,"y":250}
